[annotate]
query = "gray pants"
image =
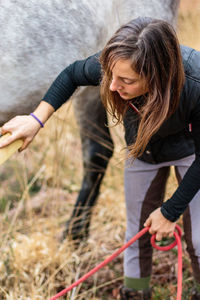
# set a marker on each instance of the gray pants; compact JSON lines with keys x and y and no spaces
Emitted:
{"x":144,"y":191}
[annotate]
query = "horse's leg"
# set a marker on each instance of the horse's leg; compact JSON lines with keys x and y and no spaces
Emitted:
{"x":97,"y":148}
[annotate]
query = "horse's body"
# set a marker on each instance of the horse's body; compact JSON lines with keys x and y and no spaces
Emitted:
{"x":39,"y":39}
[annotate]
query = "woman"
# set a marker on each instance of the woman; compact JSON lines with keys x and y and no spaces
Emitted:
{"x":154,"y":88}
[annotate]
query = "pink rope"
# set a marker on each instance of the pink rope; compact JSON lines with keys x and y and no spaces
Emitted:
{"x":125,"y":246}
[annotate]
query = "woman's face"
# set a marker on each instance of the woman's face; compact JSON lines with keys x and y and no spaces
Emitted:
{"x":126,"y":82}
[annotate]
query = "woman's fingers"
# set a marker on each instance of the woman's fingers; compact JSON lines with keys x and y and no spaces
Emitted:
{"x":25,"y":144}
{"x":159,"y":225}
{"x":8,"y":126}
{"x":171,"y":234}
{"x":147,"y":223}
{"x":159,"y":237}
{"x":160,"y":234}
{"x":8,"y":140}
{"x":151,"y":231}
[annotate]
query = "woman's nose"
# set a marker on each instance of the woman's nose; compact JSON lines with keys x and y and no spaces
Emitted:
{"x":114,"y":86}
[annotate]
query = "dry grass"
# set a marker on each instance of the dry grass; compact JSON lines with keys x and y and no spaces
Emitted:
{"x":38,"y":191}
{"x":34,"y":264}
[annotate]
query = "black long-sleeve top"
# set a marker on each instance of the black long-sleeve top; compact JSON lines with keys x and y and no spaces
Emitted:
{"x":172,"y":141}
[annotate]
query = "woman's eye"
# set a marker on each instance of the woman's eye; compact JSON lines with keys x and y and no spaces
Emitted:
{"x":128,"y":81}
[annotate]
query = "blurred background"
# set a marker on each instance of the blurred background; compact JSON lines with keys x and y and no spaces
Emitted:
{"x":189,"y":23}
{"x":38,"y":190}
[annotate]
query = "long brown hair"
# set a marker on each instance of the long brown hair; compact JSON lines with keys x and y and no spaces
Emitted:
{"x":153,"y":49}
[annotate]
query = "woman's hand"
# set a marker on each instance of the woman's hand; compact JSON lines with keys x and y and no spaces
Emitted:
{"x":159,"y":225}
{"x":20,"y":127}
{"x":26,"y":127}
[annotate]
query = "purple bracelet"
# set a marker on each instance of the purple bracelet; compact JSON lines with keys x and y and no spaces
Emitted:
{"x":36,"y":118}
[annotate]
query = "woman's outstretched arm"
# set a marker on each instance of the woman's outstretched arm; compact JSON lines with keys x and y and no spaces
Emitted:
{"x":80,"y":73}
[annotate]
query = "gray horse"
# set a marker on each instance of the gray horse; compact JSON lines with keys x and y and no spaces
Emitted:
{"x":38,"y":39}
